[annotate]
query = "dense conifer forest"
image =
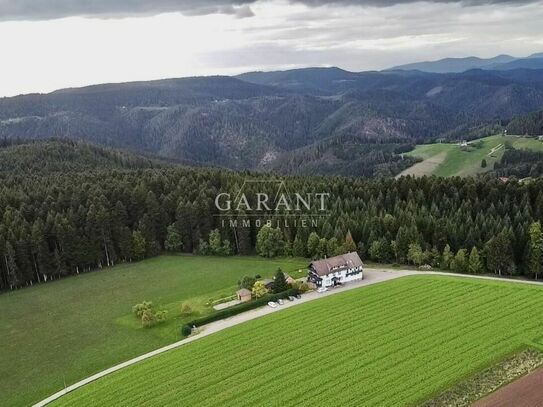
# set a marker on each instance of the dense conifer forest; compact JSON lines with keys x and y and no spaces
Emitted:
{"x":55,"y":224}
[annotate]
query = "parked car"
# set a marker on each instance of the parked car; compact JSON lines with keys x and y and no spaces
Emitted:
{"x":272,"y":304}
{"x":298,"y":296}
{"x":280,"y":301}
{"x":290,"y":298}
{"x":322,"y":289}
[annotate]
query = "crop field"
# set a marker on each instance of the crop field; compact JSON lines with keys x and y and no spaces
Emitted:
{"x":60,"y":332}
{"x":449,"y":160}
{"x":394,"y":343}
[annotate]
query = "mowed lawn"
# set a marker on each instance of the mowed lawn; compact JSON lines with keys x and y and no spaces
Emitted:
{"x":390,"y":344}
{"x":63,"y":331}
{"x":449,"y":160}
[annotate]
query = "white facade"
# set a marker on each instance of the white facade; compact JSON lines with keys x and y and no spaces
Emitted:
{"x":342,"y":276}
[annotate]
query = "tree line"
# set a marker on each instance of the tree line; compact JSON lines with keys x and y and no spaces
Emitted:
{"x":63,"y":224}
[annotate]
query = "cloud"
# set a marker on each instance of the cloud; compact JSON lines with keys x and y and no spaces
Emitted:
{"x":11,"y":10}
{"x":45,"y":10}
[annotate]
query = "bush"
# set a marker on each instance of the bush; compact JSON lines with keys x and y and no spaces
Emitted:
{"x":186,"y":309}
{"x":186,"y":330}
{"x":139,"y":309}
{"x":238,"y":309}
{"x":148,"y":315}
{"x":148,"y":318}
{"x":300,"y":286}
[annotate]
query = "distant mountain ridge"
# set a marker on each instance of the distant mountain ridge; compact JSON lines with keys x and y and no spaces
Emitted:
{"x":459,"y":65}
{"x":302,"y":121}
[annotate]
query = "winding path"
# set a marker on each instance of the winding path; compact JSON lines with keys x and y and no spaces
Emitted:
{"x":371,"y":276}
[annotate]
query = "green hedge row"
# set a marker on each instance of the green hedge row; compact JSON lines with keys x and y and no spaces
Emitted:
{"x":238,"y":309}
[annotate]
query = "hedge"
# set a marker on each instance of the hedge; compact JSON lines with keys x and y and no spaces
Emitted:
{"x":238,"y":309}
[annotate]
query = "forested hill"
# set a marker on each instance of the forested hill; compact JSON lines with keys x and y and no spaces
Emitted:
{"x":530,"y":124}
{"x":63,"y":155}
{"x":66,"y":223}
{"x":348,"y":123}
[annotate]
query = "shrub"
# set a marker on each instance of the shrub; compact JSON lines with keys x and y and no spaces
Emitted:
{"x":148,"y":318}
{"x":148,"y":315}
{"x":300,"y":286}
{"x":186,"y":309}
{"x":139,"y":309}
{"x":238,"y":309}
{"x":186,"y":330}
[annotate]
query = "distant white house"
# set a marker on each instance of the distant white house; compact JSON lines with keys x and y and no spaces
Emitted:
{"x":336,"y":270}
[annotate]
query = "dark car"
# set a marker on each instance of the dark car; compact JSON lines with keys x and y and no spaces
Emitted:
{"x":298,"y":296}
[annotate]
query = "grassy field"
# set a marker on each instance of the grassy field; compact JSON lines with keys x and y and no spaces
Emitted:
{"x":66,"y":330}
{"x":448,"y":160}
{"x":393,"y":344}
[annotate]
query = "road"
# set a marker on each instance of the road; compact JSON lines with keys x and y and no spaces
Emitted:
{"x":371,"y":276}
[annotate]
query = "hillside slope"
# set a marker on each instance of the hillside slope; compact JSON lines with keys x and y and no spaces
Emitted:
{"x":447,"y":160}
{"x":271,"y":120}
{"x":63,"y":155}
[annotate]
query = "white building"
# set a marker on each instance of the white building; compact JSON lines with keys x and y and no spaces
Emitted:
{"x":336,"y":270}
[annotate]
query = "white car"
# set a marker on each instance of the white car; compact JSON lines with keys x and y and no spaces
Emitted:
{"x":322,"y":289}
{"x":272,"y":304}
{"x":280,"y":301}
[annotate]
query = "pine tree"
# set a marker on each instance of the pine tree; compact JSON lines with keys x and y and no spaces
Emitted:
{"x":279,"y":282}
{"x":349,"y":244}
{"x":174,"y":241}
{"x":475,"y":266}
{"x":535,"y":248}
{"x":446,"y":258}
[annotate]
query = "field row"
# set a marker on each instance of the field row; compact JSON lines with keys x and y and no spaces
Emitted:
{"x":395,"y":343}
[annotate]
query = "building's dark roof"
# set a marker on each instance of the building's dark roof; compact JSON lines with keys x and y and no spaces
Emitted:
{"x":267,"y":281}
{"x":348,"y":260}
{"x":243,"y":292}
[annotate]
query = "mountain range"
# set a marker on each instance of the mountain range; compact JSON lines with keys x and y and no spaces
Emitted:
{"x":303,"y":121}
{"x":458,"y":65}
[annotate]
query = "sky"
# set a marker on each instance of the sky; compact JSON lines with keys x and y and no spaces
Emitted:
{"x":47,"y":45}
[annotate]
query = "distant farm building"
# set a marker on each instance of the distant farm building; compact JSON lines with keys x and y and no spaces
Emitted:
{"x":336,"y":270}
{"x":244,"y":295}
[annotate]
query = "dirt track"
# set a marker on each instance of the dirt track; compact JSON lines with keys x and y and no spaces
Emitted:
{"x":524,"y":392}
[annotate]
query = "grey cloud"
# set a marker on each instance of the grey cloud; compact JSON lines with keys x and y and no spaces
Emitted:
{"x":46,"y":9}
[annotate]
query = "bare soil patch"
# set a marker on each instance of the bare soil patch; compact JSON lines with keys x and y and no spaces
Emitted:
{"x":489,"y":380}
{"x":524,"y":392}
{"x":426,"y":167}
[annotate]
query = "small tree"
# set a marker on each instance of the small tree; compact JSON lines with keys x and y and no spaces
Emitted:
{"x":279,"y":283}
{"x":415,"y":254}
{"x":535,"y":248}
{"x":349,"y":244}
{"x":138,"y":245}
{"x":259,"y":289}
{"x":483,"y":163}
{"x":139,"y":309}
{"x":375,"y":251}
{"x":447,"y":258}
{"x":313,"y":242}
{"x":174,"y":241}
{"x":186,"y":309}
{"x":298,"y":247}
{"x":499,"y":254}
{"x":475,"y":265}
{"x":186,"y":330}
{"x":247,"y":282}
{"x":460,"y":261}
{"x":148,"y":318}
{"x":269,"y":241}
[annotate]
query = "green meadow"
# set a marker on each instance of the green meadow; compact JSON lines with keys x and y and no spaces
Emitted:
{"x":449,"y":160}
{"x":57,"y":333}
